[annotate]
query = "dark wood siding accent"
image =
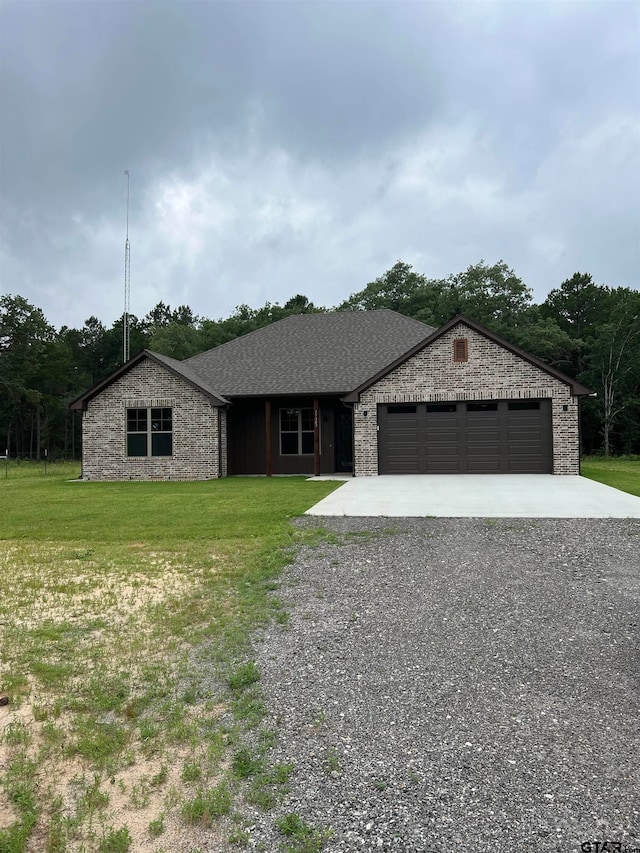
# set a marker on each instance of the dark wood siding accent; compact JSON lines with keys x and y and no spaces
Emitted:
{"x":268,"y":438}
{"x":493,"y":437}
{"x":246,"y":438}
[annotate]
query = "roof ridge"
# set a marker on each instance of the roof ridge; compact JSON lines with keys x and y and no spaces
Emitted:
{"x":352,"y":312}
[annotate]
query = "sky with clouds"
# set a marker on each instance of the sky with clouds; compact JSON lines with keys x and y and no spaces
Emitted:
{"x":278,"y":148}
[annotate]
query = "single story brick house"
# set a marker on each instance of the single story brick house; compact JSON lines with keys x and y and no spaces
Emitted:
{"x":367,"y":392}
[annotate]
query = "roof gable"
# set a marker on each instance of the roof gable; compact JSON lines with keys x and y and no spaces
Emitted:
{"x":178,"y":368}
{"x":577,"y":389}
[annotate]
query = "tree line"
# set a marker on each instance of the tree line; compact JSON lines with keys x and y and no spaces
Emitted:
{"x":589,"y":331}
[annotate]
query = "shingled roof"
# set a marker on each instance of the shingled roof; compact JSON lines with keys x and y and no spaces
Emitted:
{"x":327,"y":353}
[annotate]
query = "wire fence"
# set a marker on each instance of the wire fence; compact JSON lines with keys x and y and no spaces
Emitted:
{"x":23,"y":466}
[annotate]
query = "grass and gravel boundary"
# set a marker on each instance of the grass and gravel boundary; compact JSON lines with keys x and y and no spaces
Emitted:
{"x":126,"y":611}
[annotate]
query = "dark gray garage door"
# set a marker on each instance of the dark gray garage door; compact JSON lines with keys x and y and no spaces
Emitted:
{"x":495,"y":437}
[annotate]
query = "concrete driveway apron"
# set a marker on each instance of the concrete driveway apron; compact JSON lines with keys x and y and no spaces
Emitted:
{"x":477,"y":496}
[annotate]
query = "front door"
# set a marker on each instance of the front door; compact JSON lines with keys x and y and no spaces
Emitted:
{"x":344,"y":440}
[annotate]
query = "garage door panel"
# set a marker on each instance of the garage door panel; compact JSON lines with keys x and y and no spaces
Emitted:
{"x":524,"y":456}
{"x":484,"y":466}
{"x":435,"y":431}
{"x":475,"y":420}
{"x":404,"y":427}
{"x":398,"y":448}
{"x":476,"y":437}
{"x":523,"y":466}
{"x":441,"y":466}
{"x":525,"y":451}
{"x":403,"y":467}
{"x":527,"y":433}
{"x":532,"y":419}
{"x":442,"y":447}
{"x":441,"y":438}
{"x":445,"y":448}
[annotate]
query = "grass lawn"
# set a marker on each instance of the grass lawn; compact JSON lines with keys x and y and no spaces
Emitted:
{"x":125,"y":618}
{"x":620,"y":472}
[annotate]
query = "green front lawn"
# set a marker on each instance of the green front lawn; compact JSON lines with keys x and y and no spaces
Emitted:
{"x":620,"y":472}
{"x":126,"y":611}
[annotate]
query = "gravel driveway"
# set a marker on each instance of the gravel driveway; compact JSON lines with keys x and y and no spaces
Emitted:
{"x":460,"y":685}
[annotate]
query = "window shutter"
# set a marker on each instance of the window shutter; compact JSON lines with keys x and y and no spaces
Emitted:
{"x":461,"y":349}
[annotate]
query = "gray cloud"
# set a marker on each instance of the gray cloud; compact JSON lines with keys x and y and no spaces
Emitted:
{"x":278,"y":148}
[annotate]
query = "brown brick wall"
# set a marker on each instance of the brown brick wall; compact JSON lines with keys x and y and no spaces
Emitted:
{"x":491,"y":373}
{"x":199,"y":429}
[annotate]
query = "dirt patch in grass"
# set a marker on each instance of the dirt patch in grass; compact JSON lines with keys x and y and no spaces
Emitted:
{"x":97,"y":671}
{"x":144,"y":798}
{"x":61,"y":582}
{"x":8,"y":814}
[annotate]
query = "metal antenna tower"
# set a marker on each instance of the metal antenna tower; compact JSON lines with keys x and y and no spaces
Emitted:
{"x":127,"y":286}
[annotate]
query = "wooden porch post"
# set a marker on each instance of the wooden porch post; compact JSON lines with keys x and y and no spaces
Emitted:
{"x":316,"y":437}
{"x":267,"y":434}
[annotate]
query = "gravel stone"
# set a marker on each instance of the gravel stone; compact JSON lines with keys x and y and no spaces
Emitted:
{"x":458,"y":685}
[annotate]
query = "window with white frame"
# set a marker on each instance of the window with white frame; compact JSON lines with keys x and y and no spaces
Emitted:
{"x":149,"y":432}
{"x":296,"y":432}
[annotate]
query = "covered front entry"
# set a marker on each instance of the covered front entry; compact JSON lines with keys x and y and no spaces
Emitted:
{"x":472,"y":437}
{"x":289,"y":444}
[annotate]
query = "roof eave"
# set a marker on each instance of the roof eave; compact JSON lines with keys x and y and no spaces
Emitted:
{"x":215,"y":399}
{"x":274,"y":395}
